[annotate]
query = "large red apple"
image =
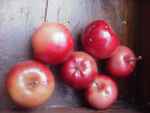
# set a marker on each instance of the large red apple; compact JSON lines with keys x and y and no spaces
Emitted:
{"x":30,"y":84}
{"x":122,"y":63}
{"x":79,"y":70}
{"x":99,"y":39}
{"x":52,"y":43}
{"x":102,"y":93}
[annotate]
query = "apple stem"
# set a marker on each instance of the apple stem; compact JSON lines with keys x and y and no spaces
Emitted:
{"x":132,"y":59}
{"x":139,"y":58}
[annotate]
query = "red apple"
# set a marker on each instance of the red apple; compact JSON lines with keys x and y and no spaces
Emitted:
{"x":102,"y":93}
{"x":122,"y":63}
{"x":52,"y":43}
{"x":30,"y":84}
{"x":79,"y":70}
{"x":99,"y":39}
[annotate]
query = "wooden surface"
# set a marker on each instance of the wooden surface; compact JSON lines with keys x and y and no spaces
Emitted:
{"x":114,"y":109}
{"x":72,"y":110}
{"x":144,"y":47}
{"x":19,"y":18}
{"x":17,"y":22}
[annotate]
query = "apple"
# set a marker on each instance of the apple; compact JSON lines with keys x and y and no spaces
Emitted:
{"x":100,"y":40}
{"x":123,"y":62}
{"x":52,"y":43}
{"x":79,"y":70}
{"x":102,"y":93}
{"x":30,"y":83}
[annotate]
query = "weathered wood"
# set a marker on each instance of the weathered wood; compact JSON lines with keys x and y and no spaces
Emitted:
{"x":73,"y":110}
{"x":18,"y":19}
{"x":78,"y":13}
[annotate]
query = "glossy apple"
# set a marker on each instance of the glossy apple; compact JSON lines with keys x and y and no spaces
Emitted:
{"x":79,"y":70}
{"x":30,"y":84}
{"x":99,"y":39}
{"x":102,"y":93}
{"x":52,"y":43}
{"x":123,"y":62}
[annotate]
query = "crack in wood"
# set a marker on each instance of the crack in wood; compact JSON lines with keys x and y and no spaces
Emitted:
{"x":46,"y":10}
{"x":58,"y":14}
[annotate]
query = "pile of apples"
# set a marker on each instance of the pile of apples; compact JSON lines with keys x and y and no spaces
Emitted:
{"x":30,"y":83}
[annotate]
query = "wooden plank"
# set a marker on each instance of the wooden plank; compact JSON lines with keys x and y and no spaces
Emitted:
{"x":18,"y":19}
{"x":73,"y":110}
{"x":78,"y":13}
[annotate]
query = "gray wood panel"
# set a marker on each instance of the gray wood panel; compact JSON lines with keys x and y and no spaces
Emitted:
{"x":116,"y":109}
{"x":18,"y":19}
{"x":76,"y":14}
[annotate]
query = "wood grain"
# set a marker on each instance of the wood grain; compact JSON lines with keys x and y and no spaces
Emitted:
{"x":18,"y":20}
{"x":76,"y":14}
{"x":116,"y":109}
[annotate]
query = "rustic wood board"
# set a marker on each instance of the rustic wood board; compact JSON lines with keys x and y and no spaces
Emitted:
{"x":18,"y":20}
{"x":75,"y":110}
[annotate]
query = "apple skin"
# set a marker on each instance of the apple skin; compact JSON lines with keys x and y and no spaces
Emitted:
{"x":29,"y":84}
{"x":102,"y":93}
{"x":79,"y":70}
{"x":100,"y":40}
{"x":122,"y":63}
{"x":52,"y":43}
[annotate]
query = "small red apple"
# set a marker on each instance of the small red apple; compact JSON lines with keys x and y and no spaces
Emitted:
{"x":102,"y":93}
{"x":122,"y":63}
{"x":30,"y":84}
{"x":100,"y":40}
{"x":79,"y":70}
{"x":52,"y":43}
